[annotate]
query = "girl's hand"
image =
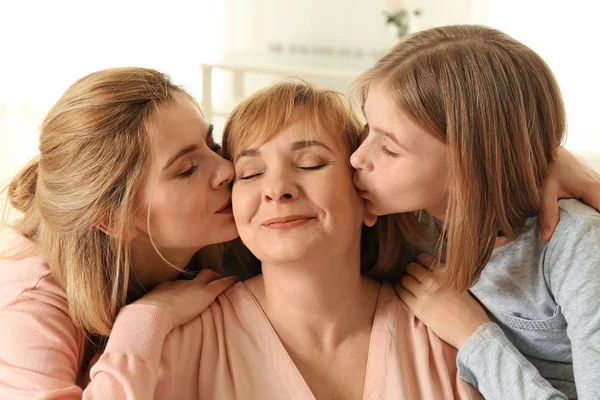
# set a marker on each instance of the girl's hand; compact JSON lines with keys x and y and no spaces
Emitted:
{"x":186,"y":299}
{"x":568,"y":177}
{"x":451,"y":315}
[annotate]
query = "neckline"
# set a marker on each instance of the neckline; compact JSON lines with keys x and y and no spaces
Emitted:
{"x":382,"y":335}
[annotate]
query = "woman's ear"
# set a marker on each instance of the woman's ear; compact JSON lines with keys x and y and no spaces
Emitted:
{"x":111,"y":231}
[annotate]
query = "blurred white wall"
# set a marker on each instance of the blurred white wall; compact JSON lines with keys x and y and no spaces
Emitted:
{"x":350,"y":35}
{"x":46,"y":45}
{"x":566,"y":35}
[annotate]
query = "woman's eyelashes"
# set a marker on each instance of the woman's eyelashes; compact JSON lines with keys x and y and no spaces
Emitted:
{"x":216,"y":147}
{"x":313,"y":167}
{"x":311,"y":163}
{"x":248,"y":171}
{"x":387,"y":151}
{"x":190,"y":171}
{"x":303,"y":165}
{"x":384,"y":148}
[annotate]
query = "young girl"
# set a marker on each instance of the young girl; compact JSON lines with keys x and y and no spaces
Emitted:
{"x":463,"y":123}
{"x":126,"y":189}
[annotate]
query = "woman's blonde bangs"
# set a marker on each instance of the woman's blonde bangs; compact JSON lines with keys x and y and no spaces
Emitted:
{"x":264,"y":115}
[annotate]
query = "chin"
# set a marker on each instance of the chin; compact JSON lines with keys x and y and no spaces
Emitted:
{"x":287,"y":253}
{"x":373,"y":208}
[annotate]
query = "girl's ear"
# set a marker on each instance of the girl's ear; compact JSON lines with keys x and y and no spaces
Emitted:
{"x":369,"y":219}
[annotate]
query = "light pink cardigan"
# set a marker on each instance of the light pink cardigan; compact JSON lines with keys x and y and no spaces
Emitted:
{"x":228,"y":352}
{"x":41,"y":351}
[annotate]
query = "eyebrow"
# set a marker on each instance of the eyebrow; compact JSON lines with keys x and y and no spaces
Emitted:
{"x":380,"y":131}
{"x":308,"y":143}
{"x":386,"y":134}
{"x":303,"y":144}
{"x":188,"y":149}
{"x":247,"y":153}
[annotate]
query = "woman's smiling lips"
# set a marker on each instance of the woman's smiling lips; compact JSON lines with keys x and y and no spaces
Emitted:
{"x":289,"y":222}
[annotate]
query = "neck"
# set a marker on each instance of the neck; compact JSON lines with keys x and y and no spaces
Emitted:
{"x":438,"y":209}
{"x":438,"y":215}
{"x":150,"y":269}
{"x":322,"y":302}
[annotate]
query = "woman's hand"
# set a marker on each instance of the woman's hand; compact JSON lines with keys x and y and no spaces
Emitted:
{"x":451,"y":315}
{"x":568,"y":177}
{"x":186,"y":299}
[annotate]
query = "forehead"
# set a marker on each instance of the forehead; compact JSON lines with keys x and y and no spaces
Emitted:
{"x":180,"y":119}
{"x":385,"y":115}
{"x":378,"y":102}
{"x":301,"y":129}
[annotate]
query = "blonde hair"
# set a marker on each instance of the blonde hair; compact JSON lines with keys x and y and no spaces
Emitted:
{"x":498,"y":107}
{"x":95,"y":144}
{"x":262,"y":116}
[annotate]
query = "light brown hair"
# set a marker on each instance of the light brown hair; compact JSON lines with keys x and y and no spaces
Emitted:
{"x":95,"y":144}
{"x":498,"y":107}
{"x":265,"y":114}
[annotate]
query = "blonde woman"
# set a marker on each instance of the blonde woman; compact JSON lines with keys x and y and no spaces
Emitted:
{"x":126,"y":190}
{"x":463,"y":125}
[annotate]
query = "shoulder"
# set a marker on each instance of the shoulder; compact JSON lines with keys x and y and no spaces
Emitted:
{"x":26,"y":276}
{"x":579,"y":227}
{"x":417,"y":347}
{"x":572,"y":259}
{"x":205,"y":337}
{"x":226,"y":306}
{"x":391,"y":307}
{"x":575,"y":215}
{"x":38,"y":338}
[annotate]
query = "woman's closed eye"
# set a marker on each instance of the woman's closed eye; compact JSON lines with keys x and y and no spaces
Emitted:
{"x":387,"y":152}
{"x":311,"y":163}
{"x":313,"y":167}
{"x":249,"y":174}
{"x":190,"y":171}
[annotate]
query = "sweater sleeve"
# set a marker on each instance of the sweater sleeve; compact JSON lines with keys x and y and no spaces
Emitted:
{"x":574,"y":277}
{"x":128,"y":368}
{"x":490,"y":362}
{"x":41,"y":351}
